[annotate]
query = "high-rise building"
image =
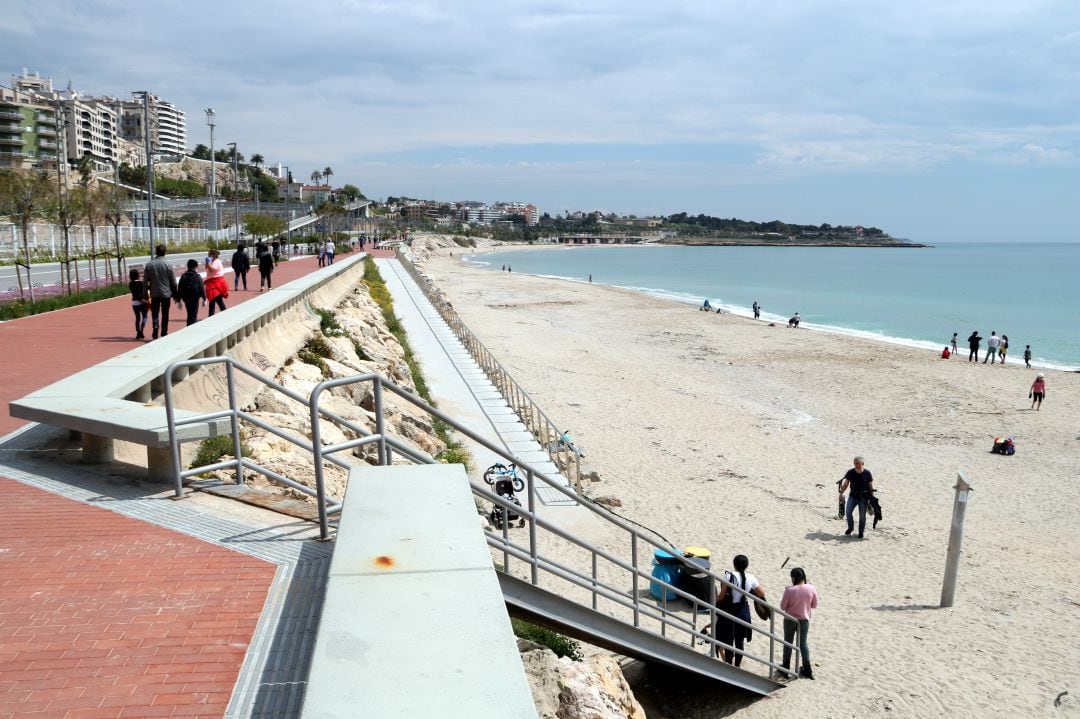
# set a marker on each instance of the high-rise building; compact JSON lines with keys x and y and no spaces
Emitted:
{"x":28,"y":136}
{"x":168,"y":124}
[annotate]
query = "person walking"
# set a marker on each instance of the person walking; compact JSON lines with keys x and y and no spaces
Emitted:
{"x":954,"y":344}
{"x":140,"y":301}
{"x":1037,"y":392}
{"x":190,"y":290}
{"x":1003,"y":348}
{"x":1027,"y":356}
{"x":798,"y":600}
{"x":736,"y":603}
{"x":861,"y":483}
{"x":757,"y":310}
{"x":217,"y":289}
{"x":330,"y":248}
{"x":241,"y":263}
{"x":973,"y":344}
{"x":266,"y":266}
{"x":161,"y":282}
{"x":992,"y":348}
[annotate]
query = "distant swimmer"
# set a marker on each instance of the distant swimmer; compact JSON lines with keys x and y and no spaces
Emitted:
{"x":757,"y":310}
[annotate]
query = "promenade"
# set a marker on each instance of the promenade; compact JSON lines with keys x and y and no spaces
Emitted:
{"x":148,"y":610}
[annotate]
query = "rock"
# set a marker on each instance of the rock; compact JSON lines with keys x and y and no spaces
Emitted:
{"x":609,"y":500}
{"x":591,"y":689}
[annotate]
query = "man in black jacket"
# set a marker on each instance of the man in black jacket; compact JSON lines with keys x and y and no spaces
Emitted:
{"x":161,"y":283}
{"x":861,"y":483}
{"x":241,"y":263}
{"x":190,"y":289}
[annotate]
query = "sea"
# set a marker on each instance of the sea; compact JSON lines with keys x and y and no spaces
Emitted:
{"x":913,"y":296}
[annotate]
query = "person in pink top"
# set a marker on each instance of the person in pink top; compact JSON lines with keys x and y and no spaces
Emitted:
{"x":797,"y":601}
{"x":1037,"y":392}
{"x":217,"y":289}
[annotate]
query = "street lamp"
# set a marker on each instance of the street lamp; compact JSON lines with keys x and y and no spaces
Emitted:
{"x":211,"y":220}
{"x":288,"y":218}
{"x":236,"y":192}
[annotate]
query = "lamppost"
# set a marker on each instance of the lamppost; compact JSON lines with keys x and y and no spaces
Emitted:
{"x":288,"y":218}
{"x":211,"y":217}
{"x":236,"y":192}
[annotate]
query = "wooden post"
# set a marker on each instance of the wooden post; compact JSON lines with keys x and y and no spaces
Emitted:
{"x":956,"y":538}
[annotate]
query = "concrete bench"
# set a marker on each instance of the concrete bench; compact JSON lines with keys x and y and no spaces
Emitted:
{"x":414,"y":623}
{"x":113,"y":399}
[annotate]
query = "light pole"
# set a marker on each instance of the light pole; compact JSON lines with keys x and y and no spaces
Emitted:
{"x":211,"y":218}
{"x":236,"y":192}
{"x":288,"y":218}
{"x":149,"y":167}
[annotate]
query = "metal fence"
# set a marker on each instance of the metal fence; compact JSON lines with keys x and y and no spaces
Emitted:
{"x":47,"y":241}
{"x":564,"y":454}
{"x":614,"y":580}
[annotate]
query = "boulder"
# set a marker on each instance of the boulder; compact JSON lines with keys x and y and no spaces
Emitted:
{"x":594,"y":688}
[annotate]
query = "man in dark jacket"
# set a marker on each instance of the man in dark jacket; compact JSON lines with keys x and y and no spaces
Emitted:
{"x":973,"y":345}
{"x":241,"y":263}
{"x":161,"y":282}
{"x":190,"y":289}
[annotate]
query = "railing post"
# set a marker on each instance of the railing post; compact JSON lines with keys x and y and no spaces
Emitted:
{"x":170,"y":419}
{"x":532,"y":527}
{"x":231,"y":380}
{"x":380,"y":426}
{"x":634,"y":565}
{"x":956,"y":538}
{"x":594,"y":582}
{"x":772,"y":643}
{"x":317,"y":457}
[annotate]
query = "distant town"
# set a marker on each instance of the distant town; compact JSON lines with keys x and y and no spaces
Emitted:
{"x":110,"y":140}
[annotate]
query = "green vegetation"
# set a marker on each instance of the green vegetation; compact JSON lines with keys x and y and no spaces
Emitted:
{"x":315,"y":352}
{"x":454,"y":453}
{"x":328,"y":323}
{"x":25,"y":308}
{"x":263,"y":225}
{"x":213,"y":449}
{"x":562,"y":646}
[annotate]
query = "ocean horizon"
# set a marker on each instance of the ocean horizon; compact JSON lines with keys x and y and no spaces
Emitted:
{"x":916,"y":297}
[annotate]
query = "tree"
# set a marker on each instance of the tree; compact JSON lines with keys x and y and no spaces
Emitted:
{"x":65,"y":209}
{"x":352,"y":192}
{"x":85,"y":167}
{"x":326,"y":173}
{"x":201,"y":152}
{"x":93,"y":202}
{"x":257,"y":160}
{"x":115,"y":212}
{"x":24,"y":197}
{"x":315,"y":177}
{"x":263,"y":225}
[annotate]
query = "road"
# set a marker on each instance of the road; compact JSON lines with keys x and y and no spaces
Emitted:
{"x":48,"y":273}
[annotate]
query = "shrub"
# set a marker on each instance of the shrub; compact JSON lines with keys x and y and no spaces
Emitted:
{"x":328,"y":323}
{"x":315,"y":352}
{"x":25,"y":308}
{"x":562,"y":646}
{"x":455,"y":453}
{"x":213,"y":449}
{"x":465,"y":242}
{"x":360,"y":353}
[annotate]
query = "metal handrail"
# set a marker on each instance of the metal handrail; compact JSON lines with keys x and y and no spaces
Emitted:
{"x":537,"y":563}
{"x":545,"y":431}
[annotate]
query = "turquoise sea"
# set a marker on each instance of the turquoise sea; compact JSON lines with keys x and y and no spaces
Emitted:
{"x":911,"y":296}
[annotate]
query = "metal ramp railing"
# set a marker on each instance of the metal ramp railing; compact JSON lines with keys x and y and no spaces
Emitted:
{"x":597,"y":590}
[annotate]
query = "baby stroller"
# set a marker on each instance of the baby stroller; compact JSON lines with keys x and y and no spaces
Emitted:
{"x":506,"y":481}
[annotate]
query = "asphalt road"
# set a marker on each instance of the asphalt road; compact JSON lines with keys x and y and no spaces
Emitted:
{"x":48,"y":273}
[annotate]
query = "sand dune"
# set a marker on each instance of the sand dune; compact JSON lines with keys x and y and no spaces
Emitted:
{"x":725,"y":432}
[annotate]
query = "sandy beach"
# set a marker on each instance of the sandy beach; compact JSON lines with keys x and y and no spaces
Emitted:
{"x":728,"y":433}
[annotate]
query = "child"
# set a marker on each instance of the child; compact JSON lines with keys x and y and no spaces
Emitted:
{"x":954,"y":343}
{"x":140,"y":301}
{"x":190,"y":289}
{"x":1027,"y":355}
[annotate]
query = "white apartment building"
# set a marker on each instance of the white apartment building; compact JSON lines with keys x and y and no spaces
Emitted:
{"x":168,"y":124}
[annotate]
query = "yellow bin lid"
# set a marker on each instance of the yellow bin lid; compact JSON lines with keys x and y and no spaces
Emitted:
{"x":700,"y":552}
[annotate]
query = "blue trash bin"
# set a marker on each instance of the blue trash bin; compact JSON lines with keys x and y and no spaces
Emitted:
{"x":666,"y":567}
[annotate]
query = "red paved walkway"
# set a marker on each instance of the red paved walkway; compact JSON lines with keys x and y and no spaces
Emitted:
{"x":106,"y":616}
{"x":102,"y":615}
{"x":45,"y":348}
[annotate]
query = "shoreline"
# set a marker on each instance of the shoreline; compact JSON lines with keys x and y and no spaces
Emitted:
{"x":747,"y":313}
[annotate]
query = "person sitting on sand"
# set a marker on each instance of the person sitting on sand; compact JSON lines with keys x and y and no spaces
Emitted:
{"x":706,"y":307}
{"x":1037,"y":392}
{"x":736,"y":603}
{"x":794,"y":321}
{"x":861,"y":483}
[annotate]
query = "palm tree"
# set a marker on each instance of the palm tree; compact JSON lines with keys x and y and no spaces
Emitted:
{"x":326,"y":173}
{"x":257,"y":160}
{"x":315,"y":177}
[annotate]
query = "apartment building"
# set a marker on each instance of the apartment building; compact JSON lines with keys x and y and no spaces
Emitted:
{"x":168,"y":124}
{"x":28,"y":132}
{"x":481,"y":214}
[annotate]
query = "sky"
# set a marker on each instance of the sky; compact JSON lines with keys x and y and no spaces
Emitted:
{"x":932,"y":120}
